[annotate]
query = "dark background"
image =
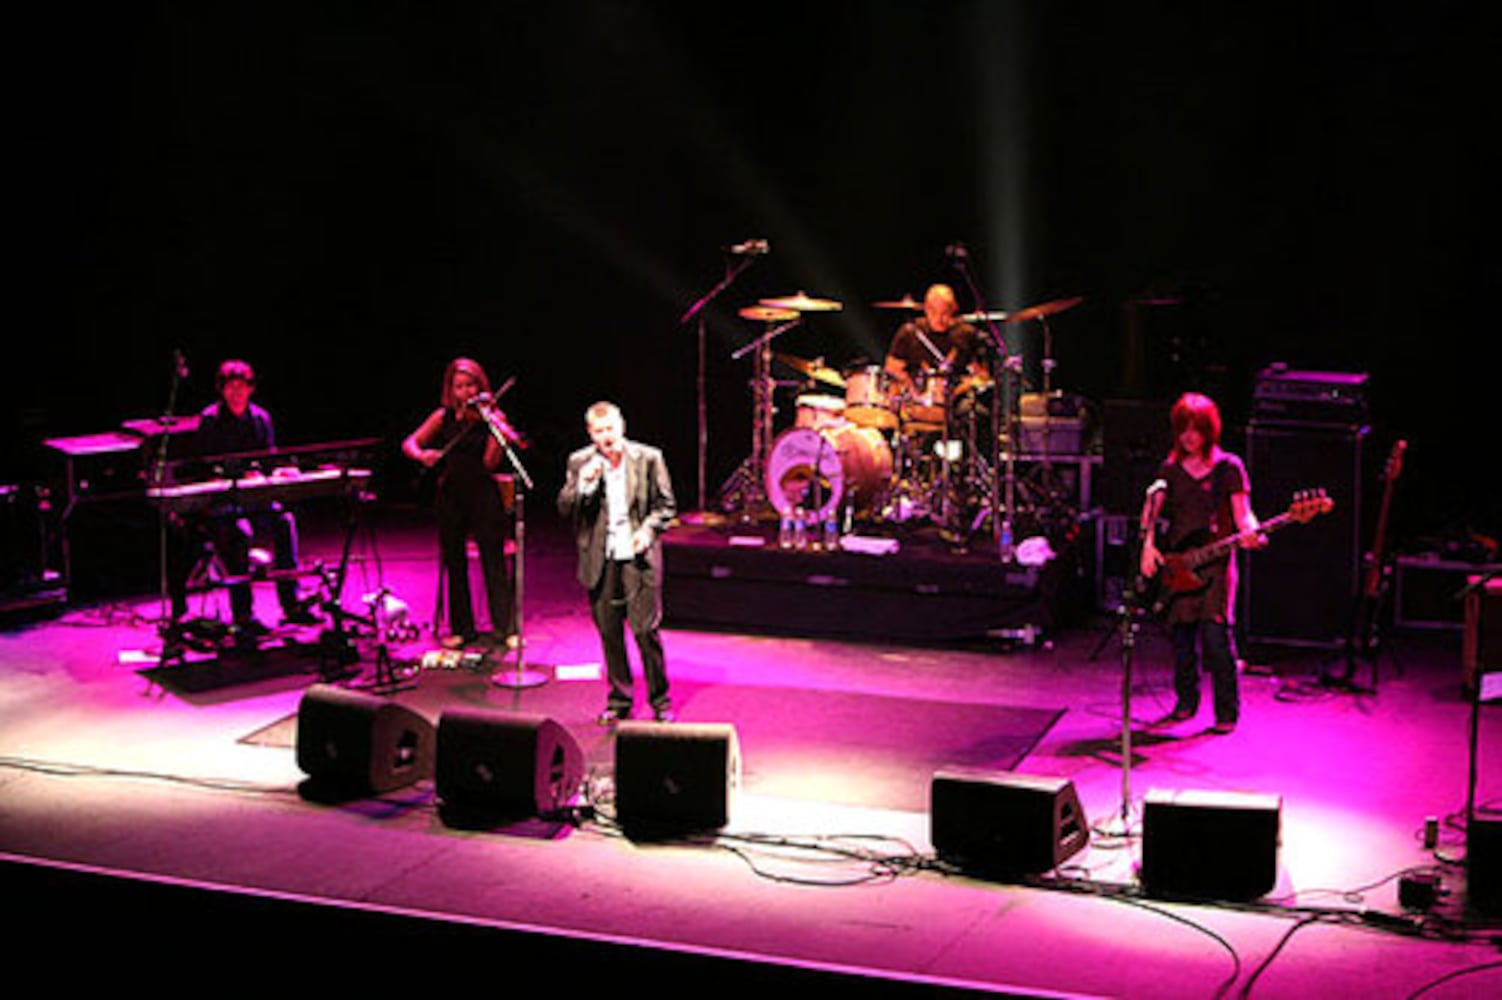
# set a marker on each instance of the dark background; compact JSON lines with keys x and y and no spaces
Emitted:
{"x":348,"y":195}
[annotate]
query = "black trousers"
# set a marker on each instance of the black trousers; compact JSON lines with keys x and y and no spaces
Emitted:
{"x":627,"y":595}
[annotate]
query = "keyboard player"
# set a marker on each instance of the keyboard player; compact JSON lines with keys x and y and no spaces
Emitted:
{"x":234,"y":426}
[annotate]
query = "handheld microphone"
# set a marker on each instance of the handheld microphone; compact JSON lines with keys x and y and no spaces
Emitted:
{"x":1157,"y":486}
{"x":480,"y":399}
{"x":749,"y":248}
{"x":956,"y":251}
{"x":179,"y":363}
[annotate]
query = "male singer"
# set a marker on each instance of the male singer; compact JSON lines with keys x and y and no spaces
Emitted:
{"x":619,"y":497}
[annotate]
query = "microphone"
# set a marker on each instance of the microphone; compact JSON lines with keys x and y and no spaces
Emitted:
{"x":956,"y":251}
{"x":749,"y":248}
{"x":179,"y":363}
{"x":1157,"y":486}
{"x":480,"y":399}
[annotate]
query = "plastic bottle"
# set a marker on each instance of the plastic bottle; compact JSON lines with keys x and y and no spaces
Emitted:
{"x":831,"y":529}
{"x":785,"y":530}
{"x":1004,"y":546}
{"x":800,"y":529}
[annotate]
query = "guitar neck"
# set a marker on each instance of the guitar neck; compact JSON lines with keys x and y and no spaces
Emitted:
{"x":1214,"y":550}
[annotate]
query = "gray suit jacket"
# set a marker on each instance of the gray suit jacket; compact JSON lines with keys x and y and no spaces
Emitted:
{"x":650,"y":493}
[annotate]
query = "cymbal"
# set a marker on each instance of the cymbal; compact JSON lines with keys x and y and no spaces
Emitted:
{"x":766,"y":314}
{"x":1044,"y":309}
{"x":802,"y":303}
{"x":985,"y":317}
{"x":906,"y":302}
{"x":813,"y":370}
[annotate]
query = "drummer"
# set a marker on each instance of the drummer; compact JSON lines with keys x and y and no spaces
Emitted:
{"x":939,"y":335}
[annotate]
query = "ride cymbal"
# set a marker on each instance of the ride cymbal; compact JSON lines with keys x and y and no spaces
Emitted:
{"x":802,"y":303}
{"x":813,"y":369}
{"x":766,"y":314}
{"x":906,"y":302}
{"x":1044,"y":309}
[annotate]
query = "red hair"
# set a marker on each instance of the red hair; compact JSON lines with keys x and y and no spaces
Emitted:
{"x":1198,"y":411}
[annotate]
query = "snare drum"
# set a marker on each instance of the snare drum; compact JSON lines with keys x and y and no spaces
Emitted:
{"x":923,"y":407}
{"x":840,"y":464}
{"x":817,"y":411}
{"x":868,"y":401}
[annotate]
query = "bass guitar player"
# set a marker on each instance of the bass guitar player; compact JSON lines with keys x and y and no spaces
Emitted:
{"x":1202,"y":491}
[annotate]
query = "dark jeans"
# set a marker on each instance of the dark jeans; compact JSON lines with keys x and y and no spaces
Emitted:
{"x":230,"y":536}
{"x":1212,"y":644}
{"x":625,"y":596}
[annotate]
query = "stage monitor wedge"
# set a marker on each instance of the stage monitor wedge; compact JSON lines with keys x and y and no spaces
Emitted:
{"x":1001,"y":824}
{"x":352,"y":743}
{"x":675,"y":778}
{"x":1210,"y":844}
{"x":495,"y":766}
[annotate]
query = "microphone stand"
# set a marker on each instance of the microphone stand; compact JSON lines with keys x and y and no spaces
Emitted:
{"x":158,"y":479}
{"x":1003,"y":490}
{"x":519,"y":677}
{"x":697,"y":310}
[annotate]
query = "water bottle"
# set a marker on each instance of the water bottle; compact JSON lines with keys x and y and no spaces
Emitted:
{"x":785,"y":531}
{"x":800,"y":529}
{"x":831,"y":529}
{"x":1004,"y":547}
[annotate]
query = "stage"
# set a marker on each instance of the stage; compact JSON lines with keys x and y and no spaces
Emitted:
{"x":153,"y":821}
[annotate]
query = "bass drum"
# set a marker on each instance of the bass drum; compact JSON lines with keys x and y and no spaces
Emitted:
{"x":820,"y":470}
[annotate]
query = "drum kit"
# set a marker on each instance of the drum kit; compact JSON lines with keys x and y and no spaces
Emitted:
{"x":859,"y":447}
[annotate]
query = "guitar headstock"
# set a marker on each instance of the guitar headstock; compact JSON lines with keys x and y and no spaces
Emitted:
{"x":1394,"y":466}
{"x":1309,"y":504}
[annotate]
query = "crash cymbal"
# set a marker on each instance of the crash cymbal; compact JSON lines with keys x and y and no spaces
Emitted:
{"x":813,"y":369}
{"x":1044,"y":309}
{"x":906,"y":302}
{"x":766,"y":314}
{"x":985,"y":317}
{"x":802,"y":303}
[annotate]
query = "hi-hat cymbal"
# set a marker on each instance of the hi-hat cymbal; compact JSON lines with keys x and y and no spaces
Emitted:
{"x":1044,"y":309}
{"x":906,"y":302}
{"x":802,"y":303}
{"x":813,"y":369}
{"x":766,"y":314}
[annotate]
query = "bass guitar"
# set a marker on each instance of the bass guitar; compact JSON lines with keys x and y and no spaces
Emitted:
{"x":1180,"y":572}
{"x":1365,"y":636}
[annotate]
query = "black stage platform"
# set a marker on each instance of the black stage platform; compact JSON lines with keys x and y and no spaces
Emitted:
{"x":736,"y":577}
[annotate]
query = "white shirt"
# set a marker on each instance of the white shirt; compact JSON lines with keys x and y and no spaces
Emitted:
{"x":617,"y":513}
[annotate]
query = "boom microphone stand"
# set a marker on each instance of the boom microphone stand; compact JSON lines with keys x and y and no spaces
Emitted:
{"x":519,"y":677}
{"x":747,"y":253}
{"x":1003,"y":491}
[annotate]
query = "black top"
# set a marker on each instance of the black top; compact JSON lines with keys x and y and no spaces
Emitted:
{"x":1198,"y":512}
{"x":220,"y":432}
{"x":961,"y":340}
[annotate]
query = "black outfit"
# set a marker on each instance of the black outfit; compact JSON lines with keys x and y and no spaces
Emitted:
{"x":961,"y":339}
{"x":230,"y":446}
{"x":469,"y":504}
{"x":1198,"y":512}
{"x":624,"y":589}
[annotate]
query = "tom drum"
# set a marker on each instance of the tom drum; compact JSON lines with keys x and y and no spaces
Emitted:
{"x":817,"y":411}
{"x":867,"y":399}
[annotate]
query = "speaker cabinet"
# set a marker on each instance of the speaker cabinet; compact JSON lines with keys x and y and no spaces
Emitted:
{"x":1301,"y":589}
{"x":493,"y":767}
{"x":676,"y":777}
{"x":351,"y":743}
{"x":1481,"y":642}
{"x":1484,"y":866}
{"x":1135,"y":438}
{"x":1210,"y":845}
{"x":999,"y":823}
